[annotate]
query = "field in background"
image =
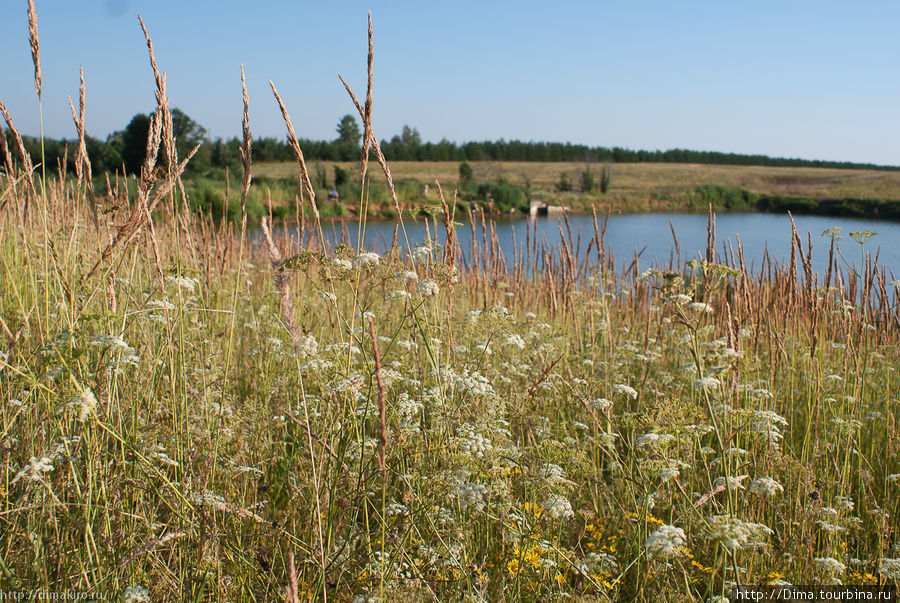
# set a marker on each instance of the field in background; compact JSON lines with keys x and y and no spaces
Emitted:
{"x":639,"y":183}
{"x":634,"y":187}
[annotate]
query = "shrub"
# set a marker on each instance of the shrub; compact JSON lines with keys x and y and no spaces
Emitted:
{"x":340,"y":176}
{"x":466,"y":174}
{"x":505,"y":196}
{"x":587,"y":180}
{"x":781,"y":203}
{"x":604,"y":180}
{"x":724,"y":197}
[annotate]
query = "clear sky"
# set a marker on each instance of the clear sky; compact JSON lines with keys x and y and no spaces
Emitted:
{"x":816,"y":79}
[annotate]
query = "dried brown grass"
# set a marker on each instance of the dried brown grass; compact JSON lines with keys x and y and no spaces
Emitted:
{"x":34,"y":41}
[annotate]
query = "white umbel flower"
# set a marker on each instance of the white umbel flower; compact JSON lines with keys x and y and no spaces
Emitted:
{"x":35,"y":470}
{"x":830,"y":565}
{"x":341,"y":264}
{"x":666,"y":541}
{"x":701,"y":307}
{"x":87,"y":404}
{"x":679,"y":299}
{"x":136,"y":594}
{"x":667,"y":475}
{"x":621,"y":388}
{"x":427,"y":288}
{"x":558,"y":507}
{"x":766,"y":486}
{"x":890,"y":569}
{"x":366,"y":260}
{"x":469,"y":494}
{"x":734,"y":533}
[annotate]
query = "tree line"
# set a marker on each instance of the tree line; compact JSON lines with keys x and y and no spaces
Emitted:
{"x":125,"y":149}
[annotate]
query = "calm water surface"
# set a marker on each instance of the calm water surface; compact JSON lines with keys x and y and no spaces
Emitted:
{"x":650,"y":236}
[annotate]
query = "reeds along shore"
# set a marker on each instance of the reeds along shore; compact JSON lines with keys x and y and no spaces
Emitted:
{"x":187,"y":413}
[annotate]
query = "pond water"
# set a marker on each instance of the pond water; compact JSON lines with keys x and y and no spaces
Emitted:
{"x":650,"y":236}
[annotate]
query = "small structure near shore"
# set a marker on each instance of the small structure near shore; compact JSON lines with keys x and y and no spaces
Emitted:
{"x":539,"y":208}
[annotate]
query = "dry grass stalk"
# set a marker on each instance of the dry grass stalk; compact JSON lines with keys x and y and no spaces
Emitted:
{"x":711,"y":236}
{"x":792,"y":272}
{"x":7,"y":158}
{"x":245,"y":154}
{"x":154,"y":544}
{"x":379,"y":156}
{"x":293,"y":593}
{"x":35,"y":46}
{"x":162,"y":104}
{"x":26,"y":158}
{"x":282,"y":284}
{"x":298,"y":153}
{"x":449,"y":258}
{"x":130,"y":229}
{"x":381,"y":408}
{"x":448,"y":217}
{"x":149,"y":221}
{"x":82,"y":161}
{"x":367,"y":116}
{"x":148,"y":168}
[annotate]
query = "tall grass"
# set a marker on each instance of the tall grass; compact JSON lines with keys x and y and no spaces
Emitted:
{"x":188,"y":414}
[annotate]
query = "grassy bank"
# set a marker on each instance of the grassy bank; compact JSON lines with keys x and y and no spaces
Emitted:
{"x":644,"y":187}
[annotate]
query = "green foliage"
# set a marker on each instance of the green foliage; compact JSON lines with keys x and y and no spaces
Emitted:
{"x":782,"y":203}
{"x":332,"y":210}
{"x":505,"y":196}
{"x":222,"y":154}
{"x":347,"y":145}
{"x":466,"y":173}
{"x":320,"y":177}
{"x":587,"y":180}
{"x":348,"y":131}
{"x":723,"y":197}
{"x":565,"y":184}
{"x":604,"y":180}
{"x":340,"y":176}
{"x":131,"y":143}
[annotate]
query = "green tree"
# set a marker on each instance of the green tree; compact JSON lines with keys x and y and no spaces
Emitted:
{"x":587,"y":180}
{"x":466,"y":174}
{"x":188,"y":134}
{"x":348,"y":131}
{"x":348,"y":140}
{"x":410,"y":138}
{"x":604,"y":180}
{"x":132,"y":141}
{"x":340,"y":176}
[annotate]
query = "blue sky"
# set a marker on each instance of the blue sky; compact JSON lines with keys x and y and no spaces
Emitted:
{"x":812,"y":79}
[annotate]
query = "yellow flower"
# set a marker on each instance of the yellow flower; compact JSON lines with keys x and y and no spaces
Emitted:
{"x":533,"y":508}
{"x":513,"y":567}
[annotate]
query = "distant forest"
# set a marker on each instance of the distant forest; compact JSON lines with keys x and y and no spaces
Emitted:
{"x":126,"y":149}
